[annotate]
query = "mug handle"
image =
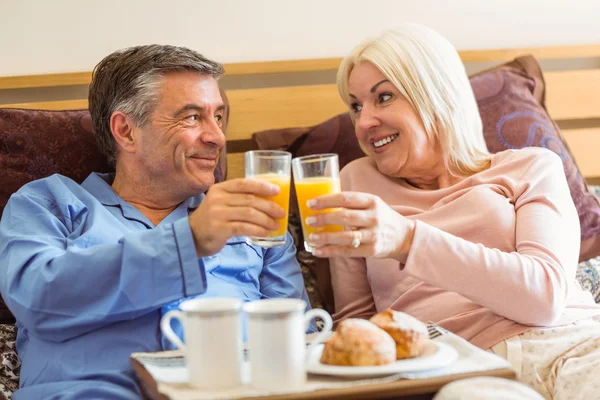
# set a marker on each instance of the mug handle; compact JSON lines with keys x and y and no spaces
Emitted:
{"x":324,"y":315}
{"x":165,"y":327}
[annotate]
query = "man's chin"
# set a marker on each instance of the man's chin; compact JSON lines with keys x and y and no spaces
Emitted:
{"x":203,"y":183}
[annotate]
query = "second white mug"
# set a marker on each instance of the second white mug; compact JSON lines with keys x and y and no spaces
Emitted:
{"x":276,"y":342}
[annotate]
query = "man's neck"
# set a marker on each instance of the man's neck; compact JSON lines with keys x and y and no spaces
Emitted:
{"x":141,"y":192}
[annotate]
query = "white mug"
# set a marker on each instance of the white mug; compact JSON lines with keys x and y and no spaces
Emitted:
{"x":213,"y":340}
{"x":276,"y":342}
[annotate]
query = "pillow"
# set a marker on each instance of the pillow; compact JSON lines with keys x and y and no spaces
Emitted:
{"x":511,"y":103}
{"x":37,"y":143}
{"x":335,"y":135}
{"x":10,"y":365}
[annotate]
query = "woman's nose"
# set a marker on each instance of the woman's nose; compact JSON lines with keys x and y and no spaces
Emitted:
{"x":367,"y":119}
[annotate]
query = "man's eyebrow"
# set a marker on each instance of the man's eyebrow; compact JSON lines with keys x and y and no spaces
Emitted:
{"x":188,"y":107}
{"x":195,"y":107}
{"x":374,"y":88}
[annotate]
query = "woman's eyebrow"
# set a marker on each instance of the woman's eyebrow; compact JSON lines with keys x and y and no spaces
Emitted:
{"x":374,"y":88}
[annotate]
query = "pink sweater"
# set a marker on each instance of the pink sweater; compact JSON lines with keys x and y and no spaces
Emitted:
{"x":506,"y":239}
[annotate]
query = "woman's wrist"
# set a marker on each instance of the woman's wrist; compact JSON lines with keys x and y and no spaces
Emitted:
{"x":406,"y":244}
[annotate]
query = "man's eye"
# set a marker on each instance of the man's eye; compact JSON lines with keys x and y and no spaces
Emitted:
{"x":218,"y":118}
{"x":193,"y":117}
{"x":355,"y":107}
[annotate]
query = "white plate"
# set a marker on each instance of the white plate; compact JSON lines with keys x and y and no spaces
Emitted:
{"x":436,"y":355}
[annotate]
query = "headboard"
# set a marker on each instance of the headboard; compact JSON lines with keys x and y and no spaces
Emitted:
{"x":279,"y":94}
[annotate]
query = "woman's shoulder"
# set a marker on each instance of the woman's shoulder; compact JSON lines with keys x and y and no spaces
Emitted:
{"x":361,"y":171}
{"x":364,"y":164}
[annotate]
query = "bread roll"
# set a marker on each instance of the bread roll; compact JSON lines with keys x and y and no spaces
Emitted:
{"x":409,"y":333}
{"x":357,"y":342}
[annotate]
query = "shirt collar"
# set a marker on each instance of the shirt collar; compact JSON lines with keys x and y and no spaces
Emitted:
{"x":99,"y":185}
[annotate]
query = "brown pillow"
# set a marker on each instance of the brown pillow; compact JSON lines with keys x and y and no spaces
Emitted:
{"x":511,"y":103}
{"x":335,"y":135}
{"x":35,"y":144}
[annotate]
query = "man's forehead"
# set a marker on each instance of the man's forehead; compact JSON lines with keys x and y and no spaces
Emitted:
{"x":191,"y":87}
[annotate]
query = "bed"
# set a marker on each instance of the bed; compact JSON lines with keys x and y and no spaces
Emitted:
{"x":294,"y":105}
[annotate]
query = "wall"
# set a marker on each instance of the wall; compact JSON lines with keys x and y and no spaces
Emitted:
{"x":49,"y":36}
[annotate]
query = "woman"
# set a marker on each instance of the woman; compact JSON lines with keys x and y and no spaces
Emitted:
{"x":484,"y":245}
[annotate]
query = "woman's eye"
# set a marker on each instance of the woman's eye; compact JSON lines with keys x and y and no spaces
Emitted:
{"x":383,"y":97}
{"x":355,"y":107}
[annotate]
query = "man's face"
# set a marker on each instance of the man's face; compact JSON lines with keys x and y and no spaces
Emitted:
{"x":180,"y":145}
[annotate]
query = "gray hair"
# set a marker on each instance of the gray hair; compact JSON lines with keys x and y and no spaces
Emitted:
{"x":128,"y":80}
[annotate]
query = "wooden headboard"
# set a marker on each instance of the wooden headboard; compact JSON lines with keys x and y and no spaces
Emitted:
{"x":280,"y":94}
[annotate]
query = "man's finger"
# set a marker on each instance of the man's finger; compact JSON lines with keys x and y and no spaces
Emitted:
{"x":250,"y":186}
{"x":266,"y":206}
{"x":249,"y":215}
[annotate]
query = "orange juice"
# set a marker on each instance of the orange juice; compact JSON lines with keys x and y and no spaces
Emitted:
{"x":310,"y":188}
{"x":282,"y":199}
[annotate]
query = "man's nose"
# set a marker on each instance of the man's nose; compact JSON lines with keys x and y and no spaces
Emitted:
{"x":213,"y":134}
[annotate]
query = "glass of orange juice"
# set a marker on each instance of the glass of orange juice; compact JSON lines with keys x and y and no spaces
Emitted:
{"x":315,"y":176}
{"x":272,"y":166}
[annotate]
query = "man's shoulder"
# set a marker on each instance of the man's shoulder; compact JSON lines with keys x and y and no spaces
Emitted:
{"x":51,"y":185}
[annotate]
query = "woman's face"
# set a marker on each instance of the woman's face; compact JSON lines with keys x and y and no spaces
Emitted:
{"x":388,"y":127}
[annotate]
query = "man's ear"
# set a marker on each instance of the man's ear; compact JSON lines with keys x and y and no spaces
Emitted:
{"x":121,"y":128}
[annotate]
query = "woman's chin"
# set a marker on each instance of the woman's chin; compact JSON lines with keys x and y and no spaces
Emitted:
{"x":387,"y":169}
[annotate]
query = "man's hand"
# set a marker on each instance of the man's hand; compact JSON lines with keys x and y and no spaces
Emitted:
{"x":234,"y":208}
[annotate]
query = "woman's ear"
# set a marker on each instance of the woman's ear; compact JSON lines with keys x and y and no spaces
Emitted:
{"x":121,"y":128}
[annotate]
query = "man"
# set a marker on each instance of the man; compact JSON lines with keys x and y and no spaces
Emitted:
{"x":86,"y":269}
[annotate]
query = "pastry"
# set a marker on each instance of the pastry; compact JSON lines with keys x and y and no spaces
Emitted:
{"x":357,"y":342}
{"x":409,"y":333}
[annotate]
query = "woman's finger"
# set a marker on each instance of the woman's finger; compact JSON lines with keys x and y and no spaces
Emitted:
{"x":343,"y":251}
{"x":349,"y":239}
{"x":350,"y":200}
{"x":344,"y":217}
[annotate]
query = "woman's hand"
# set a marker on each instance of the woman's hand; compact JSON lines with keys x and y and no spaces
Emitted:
{"x":368,"y":222}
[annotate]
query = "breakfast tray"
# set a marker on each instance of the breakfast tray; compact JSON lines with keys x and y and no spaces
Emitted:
{"x":163,"y":376}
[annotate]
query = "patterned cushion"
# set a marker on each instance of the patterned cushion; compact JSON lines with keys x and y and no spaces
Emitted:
{"x":10,"y":365}
{"x":588,"y":272}
{"x":588,"y":276}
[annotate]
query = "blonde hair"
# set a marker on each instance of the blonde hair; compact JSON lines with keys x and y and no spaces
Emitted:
{"x":428,"y":71}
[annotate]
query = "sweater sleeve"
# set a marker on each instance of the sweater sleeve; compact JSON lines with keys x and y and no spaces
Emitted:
{"x":529,"y":285}
{"x":351,"y":291}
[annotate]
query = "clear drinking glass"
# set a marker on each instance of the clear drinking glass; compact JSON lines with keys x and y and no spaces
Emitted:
{"x":274,"y":167}
{"x":314,"y":176}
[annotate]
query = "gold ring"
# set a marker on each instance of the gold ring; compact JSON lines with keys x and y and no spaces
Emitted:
{"x":356,"y":240}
